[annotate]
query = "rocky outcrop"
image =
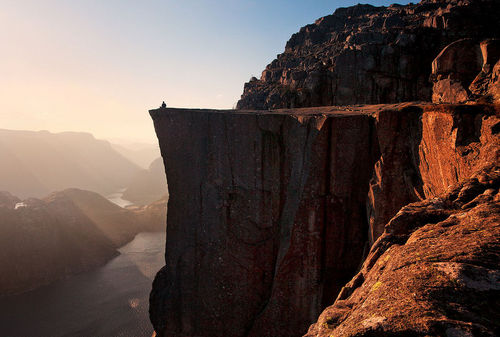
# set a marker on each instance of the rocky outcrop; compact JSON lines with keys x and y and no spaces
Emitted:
{"x":467,"y":70}
{"x":434,"y":271}
{"x":366,"y":54}
{"x":423,"y":152}
{"x":271,"y":212}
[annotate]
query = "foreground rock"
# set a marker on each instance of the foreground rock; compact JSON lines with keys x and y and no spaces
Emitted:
{"x":268,"y":213}
{"x":366,"y":54}
{"x":67,"y":232}
{"x":434,"y":271}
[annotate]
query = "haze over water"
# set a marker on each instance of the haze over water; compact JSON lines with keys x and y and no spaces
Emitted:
{"x":111,"y":301}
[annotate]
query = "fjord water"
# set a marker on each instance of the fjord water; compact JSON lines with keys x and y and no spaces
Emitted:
{"x":111,"y":301}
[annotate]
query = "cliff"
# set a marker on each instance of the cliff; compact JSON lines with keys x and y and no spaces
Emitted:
{"x":272,"y":212}
{"x":434,"y":271}
{"x":366,"y":54}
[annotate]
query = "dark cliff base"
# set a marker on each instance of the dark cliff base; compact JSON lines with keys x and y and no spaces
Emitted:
{"x":272,"y":212}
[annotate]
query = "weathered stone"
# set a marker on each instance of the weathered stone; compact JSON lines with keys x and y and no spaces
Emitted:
{"x":434,"y":272}
{"x":449,"y":91}
{"x":464,"y":71}
{"x":256,"y":201}
{"x":460,"y":61}
{"x":270,"y":212}
{"x":365,"y":54}
{"x":267,"y":211}
{"x":486,"y":83}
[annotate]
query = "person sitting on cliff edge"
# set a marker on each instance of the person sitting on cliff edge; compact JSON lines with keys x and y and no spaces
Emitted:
{"x":163,"y":105}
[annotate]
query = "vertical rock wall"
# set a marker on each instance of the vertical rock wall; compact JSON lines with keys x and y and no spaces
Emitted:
{"x":266,"y":212}
{"x":270,"y":212}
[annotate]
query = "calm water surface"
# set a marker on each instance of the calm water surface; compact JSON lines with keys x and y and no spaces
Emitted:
{"x":111,"y":301}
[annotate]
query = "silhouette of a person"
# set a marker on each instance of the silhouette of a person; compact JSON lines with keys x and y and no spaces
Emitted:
{"x":163,"y":105}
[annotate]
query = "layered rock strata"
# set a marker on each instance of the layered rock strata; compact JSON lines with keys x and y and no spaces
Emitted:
{"x":271,"y":212}
{"x":366,"y":54}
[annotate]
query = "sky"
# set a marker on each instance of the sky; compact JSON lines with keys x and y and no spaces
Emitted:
{"x":98,"y":66}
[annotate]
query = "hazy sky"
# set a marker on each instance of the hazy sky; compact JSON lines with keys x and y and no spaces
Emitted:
{"x":99,"y":65}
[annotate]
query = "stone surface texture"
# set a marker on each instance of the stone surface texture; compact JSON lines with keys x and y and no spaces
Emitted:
{"x":272,"y":212}
{"x":466,"y":71}
{"x":274,"y":206}
{"x":365,"y":54}
{"x":434,"y":271}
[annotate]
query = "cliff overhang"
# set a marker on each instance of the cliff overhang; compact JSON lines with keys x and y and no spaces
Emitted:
{"x":272,"y":212}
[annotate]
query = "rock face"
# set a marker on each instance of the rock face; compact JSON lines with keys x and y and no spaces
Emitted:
{"x":467,"y":70}
{"x":434,"y":271}
{"x":366,"y":54}
{"x":270,"y":213}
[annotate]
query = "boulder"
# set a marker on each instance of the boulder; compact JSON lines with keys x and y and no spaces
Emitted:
{"x":465,"y":71}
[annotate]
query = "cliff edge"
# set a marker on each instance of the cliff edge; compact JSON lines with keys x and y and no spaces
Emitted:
{"x":291,"y":201}
{"x":272,"y":212}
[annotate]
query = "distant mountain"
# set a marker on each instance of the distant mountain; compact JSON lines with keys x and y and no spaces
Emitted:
{"x":153,"y":216}
{"x":117,"y":224}
{"x":65,"y":233}
{"x":36,"y":163}
{"x":141,"y":154}
{"x":147,"y":185}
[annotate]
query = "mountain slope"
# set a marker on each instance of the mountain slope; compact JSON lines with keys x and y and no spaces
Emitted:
{"x":47,"y":240}
{"x":147,"y":185}
{"x":140,"y":154}
{"x":36,"y":163}
{"x":64,"y":233}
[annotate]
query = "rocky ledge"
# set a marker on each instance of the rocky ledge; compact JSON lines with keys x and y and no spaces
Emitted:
{"x":272,"y":212}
